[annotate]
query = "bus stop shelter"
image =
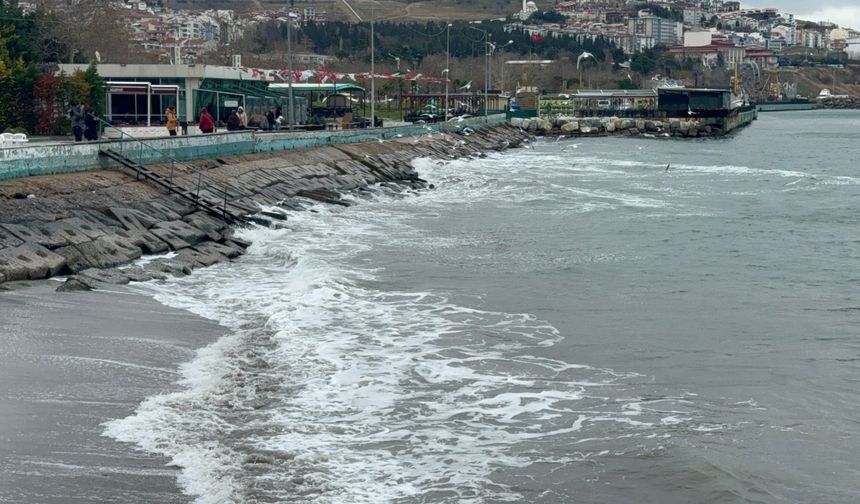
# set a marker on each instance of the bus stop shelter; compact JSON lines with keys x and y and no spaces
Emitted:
{"x":138,"y":102}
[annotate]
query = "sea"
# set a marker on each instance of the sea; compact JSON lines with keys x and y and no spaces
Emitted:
{"x":584,"y":320}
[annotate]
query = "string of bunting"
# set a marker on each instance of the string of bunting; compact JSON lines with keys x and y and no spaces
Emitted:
{"x":324,"y":75}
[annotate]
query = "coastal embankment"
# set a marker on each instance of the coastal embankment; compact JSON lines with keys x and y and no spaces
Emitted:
{"x":90,"y":224}
{"x":621,"y":126}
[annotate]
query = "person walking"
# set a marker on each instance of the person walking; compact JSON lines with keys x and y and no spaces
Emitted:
{"x":78,"y":115}
{"x":171,"y":122}
{"x":207,"y":123}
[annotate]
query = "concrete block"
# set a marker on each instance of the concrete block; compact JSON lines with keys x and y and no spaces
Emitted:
{"x":132,"y":219}
{"x":178,"y":234}
{"x":227,"y":249}
{"x":7,"y":239}
{"x":29,"y":261}
{"x":146,"y":241}
{"x":105,"y":252}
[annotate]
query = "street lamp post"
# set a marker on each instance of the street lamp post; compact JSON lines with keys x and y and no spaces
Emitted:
{"x":447,"y":66}
{"x":372,"y":59}
{"x":291,"y":118}
{"x":372,"y":71}
{"x":486,"y":64}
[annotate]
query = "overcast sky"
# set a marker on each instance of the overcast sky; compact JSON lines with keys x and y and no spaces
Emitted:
{"x":841,"y":12}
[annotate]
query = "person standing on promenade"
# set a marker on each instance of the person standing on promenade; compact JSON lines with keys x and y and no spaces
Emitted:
{"x":207,"y":123}
{"x":78,"y":115}
{"x":234,"y":122}
{"x":243,"y":118}
{"x":171,"y":121}
{"x":91,"y":125}
{"x":270,"y":118}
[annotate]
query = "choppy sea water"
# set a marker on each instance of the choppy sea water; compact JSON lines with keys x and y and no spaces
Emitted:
{"x":570,"y":322}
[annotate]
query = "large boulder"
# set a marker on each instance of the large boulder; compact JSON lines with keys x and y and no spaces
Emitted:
{"x":570,"y":127}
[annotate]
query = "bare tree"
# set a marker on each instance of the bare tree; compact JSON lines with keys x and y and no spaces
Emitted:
{"x":80,"y":28}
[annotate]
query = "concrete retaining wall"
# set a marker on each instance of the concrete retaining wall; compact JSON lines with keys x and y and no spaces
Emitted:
{"x":70,"y":157}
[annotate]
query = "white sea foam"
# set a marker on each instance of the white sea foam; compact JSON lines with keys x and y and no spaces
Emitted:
{"x":334,"y":387}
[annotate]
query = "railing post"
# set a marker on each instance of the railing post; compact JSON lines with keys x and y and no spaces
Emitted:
{"x":225,"y":201}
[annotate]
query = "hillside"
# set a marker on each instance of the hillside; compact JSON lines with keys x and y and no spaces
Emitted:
{"x":811,"y":80}
{"x":383,"y":9}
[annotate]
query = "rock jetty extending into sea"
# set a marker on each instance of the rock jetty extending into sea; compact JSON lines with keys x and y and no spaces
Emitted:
{"x":596,"y":126}
{"x":87,"y":224}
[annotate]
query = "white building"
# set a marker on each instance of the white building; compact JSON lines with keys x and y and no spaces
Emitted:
{"x":663,"y":31}
{"x":852,"y":47}
{"x":693,"y":17}
{"x":697,"y":38}
{"x":813,"y":39}
{"x":529,"y":8}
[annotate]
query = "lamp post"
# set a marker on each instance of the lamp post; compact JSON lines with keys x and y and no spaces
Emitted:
{"x":493,"y":48}
{"x":372,"y":71}
{"x":487,"y":44}
{"x":291,"y":119}
{"x":447,"y":71}
{"x":372,"y":59}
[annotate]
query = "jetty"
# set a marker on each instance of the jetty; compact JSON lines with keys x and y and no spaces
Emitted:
{"x":87,"y":210}
{"x":662,"y":112}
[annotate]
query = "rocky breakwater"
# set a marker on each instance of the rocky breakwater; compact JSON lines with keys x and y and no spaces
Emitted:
{"x":91,"y":225}
{"x":845,"y":103}
{"x":601,"y":126}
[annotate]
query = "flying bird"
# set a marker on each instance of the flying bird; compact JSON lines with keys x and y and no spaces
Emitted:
{"x":467,"y":87}
{"x":585,"y":54}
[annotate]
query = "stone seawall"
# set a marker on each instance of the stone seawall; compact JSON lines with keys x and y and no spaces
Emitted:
{"x":620,"y":126}
{"x":86,"y":224}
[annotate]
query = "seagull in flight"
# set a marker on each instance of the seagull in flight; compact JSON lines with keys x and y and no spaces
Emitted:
{"x":585,"y":54}
{"x":467,"y":87}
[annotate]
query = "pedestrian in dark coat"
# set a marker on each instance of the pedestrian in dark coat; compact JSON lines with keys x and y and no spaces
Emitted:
{"x":91,"y":126}
{"x":270,"y":118}
{"x":233,"y":122}
{"x":78,"y":115}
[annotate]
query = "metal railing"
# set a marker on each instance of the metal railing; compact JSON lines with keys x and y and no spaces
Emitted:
{"x":131,"y":147}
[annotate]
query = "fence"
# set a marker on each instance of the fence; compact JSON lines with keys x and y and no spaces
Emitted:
{"x":69,"y":157}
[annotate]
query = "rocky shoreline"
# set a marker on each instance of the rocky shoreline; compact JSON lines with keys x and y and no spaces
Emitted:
{"x":90,"y":225}
{"x":601,"y":126}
